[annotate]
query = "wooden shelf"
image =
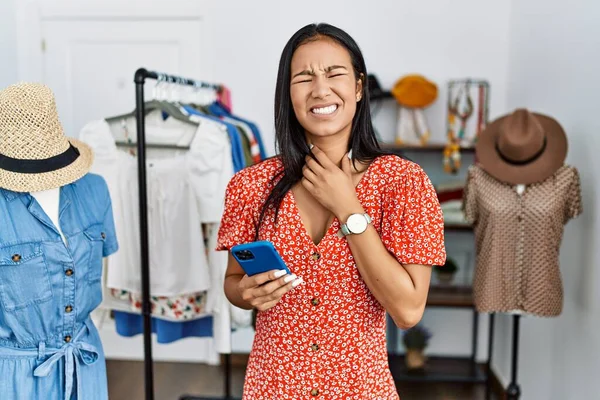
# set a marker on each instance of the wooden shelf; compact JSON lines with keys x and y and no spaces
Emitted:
{"x":458,"y":228}
{"x":450,"y":296}
{"x":430,"y":148}
{"x":438,"y":369}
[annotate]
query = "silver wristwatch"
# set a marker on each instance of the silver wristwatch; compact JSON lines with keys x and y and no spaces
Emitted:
{"x":355,"y":225}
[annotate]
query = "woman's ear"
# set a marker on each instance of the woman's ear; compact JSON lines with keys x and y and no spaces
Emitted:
{"x":359,"y":87}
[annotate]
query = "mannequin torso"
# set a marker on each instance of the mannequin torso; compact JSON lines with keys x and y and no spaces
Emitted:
{"x":49,"y":200}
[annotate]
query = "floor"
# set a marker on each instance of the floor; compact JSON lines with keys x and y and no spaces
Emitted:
{"x":173,"y":380}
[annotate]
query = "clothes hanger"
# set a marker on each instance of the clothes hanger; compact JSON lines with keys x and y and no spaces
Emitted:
{"x":157,"y":104}
{"x":201,"y":100}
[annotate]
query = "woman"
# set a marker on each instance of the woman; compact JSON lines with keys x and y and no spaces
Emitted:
{"x":320,"y":332}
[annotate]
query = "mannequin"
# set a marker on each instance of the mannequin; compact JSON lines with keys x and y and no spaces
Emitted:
{"x":518,"y":198}
{"x":49,"y":201}
{"x":49,"y":346}
{"x":519,"y":226}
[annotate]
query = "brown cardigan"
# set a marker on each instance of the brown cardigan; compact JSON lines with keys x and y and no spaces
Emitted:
{"x":518,"y":239}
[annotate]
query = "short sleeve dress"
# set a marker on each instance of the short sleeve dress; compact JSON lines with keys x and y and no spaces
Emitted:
{"x":326,"y":338}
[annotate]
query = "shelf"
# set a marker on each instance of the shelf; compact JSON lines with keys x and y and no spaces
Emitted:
{"x":430,"y":148}
{"x":458,"y":228}
{"x":438,"y":369}
{"x":450,"y":296}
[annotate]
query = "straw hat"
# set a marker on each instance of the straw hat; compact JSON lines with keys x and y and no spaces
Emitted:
{"x":35,"y":154}
{"x":522,"y":148}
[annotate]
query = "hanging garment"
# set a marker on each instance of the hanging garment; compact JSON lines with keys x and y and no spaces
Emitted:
{"x":129,"y":325}
{"x":231,"y":317}
{"x":247,"y":131}
{"x":237,"y":150}
{"x":178,"y":263}
{"x":210,"y":168}
{"x":327,"y":337}
{"x":49,"y":347}
{"x":246,"y":145}
{"x":219,"y":110}
{"x":518,"y":239}
{"x":174,"y":308}
{"x":177,"y":258}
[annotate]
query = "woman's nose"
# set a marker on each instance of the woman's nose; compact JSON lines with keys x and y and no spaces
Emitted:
{"x":321,"y":88}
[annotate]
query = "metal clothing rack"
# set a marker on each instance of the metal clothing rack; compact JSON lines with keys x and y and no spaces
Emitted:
{"x":140,"y":78}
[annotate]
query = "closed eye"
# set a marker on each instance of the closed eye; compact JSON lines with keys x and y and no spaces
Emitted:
{"x":336,"y":75}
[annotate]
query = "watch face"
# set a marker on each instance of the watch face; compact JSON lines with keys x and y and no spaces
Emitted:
{"x":357,"y":223}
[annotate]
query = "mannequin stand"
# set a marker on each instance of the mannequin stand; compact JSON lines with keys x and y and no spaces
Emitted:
{"x":488,"y":384}
{"x":514,"y":390}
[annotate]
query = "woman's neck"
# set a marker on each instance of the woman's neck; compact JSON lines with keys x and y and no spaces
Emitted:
{"x":335,"y":148}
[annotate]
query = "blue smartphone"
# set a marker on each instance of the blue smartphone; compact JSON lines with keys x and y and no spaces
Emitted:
{"x":258,"y":257}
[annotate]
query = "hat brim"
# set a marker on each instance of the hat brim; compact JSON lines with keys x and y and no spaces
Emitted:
{"x":379,"y":95}
{"x":538,"y":170}
{"x":20,"y":182}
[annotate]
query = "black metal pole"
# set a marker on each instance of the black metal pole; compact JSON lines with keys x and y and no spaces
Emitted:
{"x":140,"y":78}
{"x":514,"y":390}
{"x":228,"y":376}
{"x":488,"y":382}
{"x":140,"y":115}
{"x":475,"y":338}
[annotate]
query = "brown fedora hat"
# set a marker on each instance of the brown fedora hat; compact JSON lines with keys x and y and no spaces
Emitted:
{"x":522,"y":147}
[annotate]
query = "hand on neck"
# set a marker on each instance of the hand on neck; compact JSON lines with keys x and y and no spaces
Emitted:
{"x":334,"y":147}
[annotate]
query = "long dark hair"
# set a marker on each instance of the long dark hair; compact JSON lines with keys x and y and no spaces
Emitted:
{"x":289,"y":134}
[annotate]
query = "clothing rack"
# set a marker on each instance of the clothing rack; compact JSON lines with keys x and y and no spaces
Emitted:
{"x":140,"y":115}
{"x":153,"y":146}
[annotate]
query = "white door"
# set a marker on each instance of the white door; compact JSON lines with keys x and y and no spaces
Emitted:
{"x":89,"y":59}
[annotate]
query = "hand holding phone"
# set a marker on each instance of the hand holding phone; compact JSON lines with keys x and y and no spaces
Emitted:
{"x":267,"y":277}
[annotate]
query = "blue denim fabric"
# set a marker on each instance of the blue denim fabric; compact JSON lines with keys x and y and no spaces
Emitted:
{"x":47,"y":352}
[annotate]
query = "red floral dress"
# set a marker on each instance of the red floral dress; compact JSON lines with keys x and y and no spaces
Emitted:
{"x":325,"y":339}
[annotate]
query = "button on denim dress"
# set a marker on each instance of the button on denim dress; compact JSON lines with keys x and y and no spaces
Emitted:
{"x":49,"y":347}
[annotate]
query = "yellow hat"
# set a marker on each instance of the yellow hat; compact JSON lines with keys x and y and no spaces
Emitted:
{"x":414,"y":91}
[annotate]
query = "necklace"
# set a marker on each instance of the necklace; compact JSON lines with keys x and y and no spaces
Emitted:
{"x":467,"y":110}
{"x":452,"y":158}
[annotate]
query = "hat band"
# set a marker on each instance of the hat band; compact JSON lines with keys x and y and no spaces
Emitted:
{"x":526,"y":161}
{"x":39,"y":166}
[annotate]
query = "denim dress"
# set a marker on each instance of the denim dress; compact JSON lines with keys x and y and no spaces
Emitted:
{"x":49,"y":347}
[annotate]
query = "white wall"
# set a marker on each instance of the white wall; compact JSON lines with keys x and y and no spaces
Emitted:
{"x":442,"y":39}
{"x":8,"y":43}
{"x":554,"y":64}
